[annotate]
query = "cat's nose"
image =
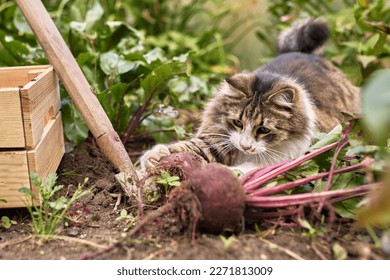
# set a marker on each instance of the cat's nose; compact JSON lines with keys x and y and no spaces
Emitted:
{"x":245,"y":148}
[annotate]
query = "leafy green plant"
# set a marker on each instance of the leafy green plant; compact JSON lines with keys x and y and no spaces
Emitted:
{"x":375,"y":212}
{"x":359,"y":31}
{"x":143,"y":59}
{"x":352,"y":168}
{"x":5,"y":222}
{"x":376,"y":102}
{"x":227,"y":241}
{"x":130,"y":219}
{"x":47,"y":215}
{"x":168,"y":181}
{"x":311,"y":231}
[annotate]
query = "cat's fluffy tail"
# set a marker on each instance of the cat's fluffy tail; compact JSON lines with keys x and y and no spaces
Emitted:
{"x":305,"y":36}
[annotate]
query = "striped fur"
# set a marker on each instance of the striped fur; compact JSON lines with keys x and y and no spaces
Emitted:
{"x":271,"y":114}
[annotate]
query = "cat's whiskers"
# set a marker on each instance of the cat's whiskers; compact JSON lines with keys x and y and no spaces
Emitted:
{"x":277,"y":155}
{"x":216,"y":134}
{"x":280,"y":153}
{"x":273,"y":158}
{"x":262,"y":159}
{"x":224,"y":146}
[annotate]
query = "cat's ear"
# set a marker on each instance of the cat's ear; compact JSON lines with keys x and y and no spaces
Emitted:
{"x":284,"y":97}
{"x":239,"y":85}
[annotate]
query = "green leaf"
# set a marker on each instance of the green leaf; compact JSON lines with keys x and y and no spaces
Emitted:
{"x":111,"y":62}
{"x":123,"y":213}
{"x":20,"y":23}
{"x":180,"y":131}
{"x":37,"y":181}
{"x":51,"y":180}
{"x":362,"y":3}
{"x":345,"y":180}
{"x":5,"y":222}
{"x":155,"y":54}
{"x":371,"y":42}
{"x":25,"y":191}
{"x":174,"y":184}
{"x":75,"y":128}
{"x":376,"y":104}
{"x":6,"y":59}
{"x":362,"y":150}
{"x":93,"y":15}
{"x":326,"y":139}
{"x":347,"y":208}
{"x":157,"y":79}
{"x":356,"y":136}
{"x":59,"y":204}
{"x":113,"y":103}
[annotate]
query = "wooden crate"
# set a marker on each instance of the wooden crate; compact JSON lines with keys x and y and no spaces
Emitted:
{"x":31,"y":132}
{"x":29,"y":98}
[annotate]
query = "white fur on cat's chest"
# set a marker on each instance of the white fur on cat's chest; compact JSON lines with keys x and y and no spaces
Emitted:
{"x":246,"y":163}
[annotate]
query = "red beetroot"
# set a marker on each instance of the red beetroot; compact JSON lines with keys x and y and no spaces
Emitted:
{"x":218,"y":191}
{"x":180,"y":164}
{"x":221,"y":197}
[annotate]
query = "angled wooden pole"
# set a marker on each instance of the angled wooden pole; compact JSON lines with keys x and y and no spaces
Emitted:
{"x":77,"y":86}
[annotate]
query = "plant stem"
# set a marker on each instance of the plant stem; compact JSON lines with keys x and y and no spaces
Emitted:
{"x":296,"y":199}
{"x":269,"y":214}
{"x":262,"y":170}
{"x":343,"y":142}
{"x":253,"y":183}
{"x":374,"y":236}
{"x":293,"y":184}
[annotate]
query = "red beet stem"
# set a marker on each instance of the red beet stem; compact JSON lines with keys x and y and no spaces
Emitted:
{"x":293,"y":184}
{"x":342,"y":144}
{"x":295,"y":199}
{"x":272,"y":214}
{"x":254,"y":182}
{"x":262,"y":170}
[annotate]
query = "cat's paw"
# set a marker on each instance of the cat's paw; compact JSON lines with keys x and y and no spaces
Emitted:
{"x":150,"y":159}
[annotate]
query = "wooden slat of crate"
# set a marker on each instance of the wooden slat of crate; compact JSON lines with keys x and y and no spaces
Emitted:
{"x":40,"y":100}
{"x":46,"y":157}
{"x":15,"y":167}
{"x":11,"y":121}
{"x":13,"y":77}
{"x":13,"y":175}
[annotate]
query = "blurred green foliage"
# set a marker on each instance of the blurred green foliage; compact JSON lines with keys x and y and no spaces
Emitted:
{"x":147,"y":60}
{"x":143,"y":59}
{"x":359,"y":31}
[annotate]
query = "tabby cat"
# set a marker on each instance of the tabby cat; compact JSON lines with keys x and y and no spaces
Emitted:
{"x":271,"y":114}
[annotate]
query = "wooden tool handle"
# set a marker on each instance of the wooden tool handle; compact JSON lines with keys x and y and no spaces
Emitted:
{"x":76,"y":84}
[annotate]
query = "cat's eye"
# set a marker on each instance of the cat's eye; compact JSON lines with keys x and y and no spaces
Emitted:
{"x":237,"y":123}
{"x":263,"y":130}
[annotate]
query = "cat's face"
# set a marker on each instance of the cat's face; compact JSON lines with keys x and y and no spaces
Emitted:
{"x":260,"y":113}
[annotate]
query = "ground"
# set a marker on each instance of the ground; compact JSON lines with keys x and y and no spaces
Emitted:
{"x":101,"y":225}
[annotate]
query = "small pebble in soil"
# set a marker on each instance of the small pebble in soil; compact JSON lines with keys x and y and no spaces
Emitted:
{"x":386,"y":242}
{"x":73,"y":231}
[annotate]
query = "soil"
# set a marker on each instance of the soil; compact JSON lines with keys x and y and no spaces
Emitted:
{"x":99,"y":225}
